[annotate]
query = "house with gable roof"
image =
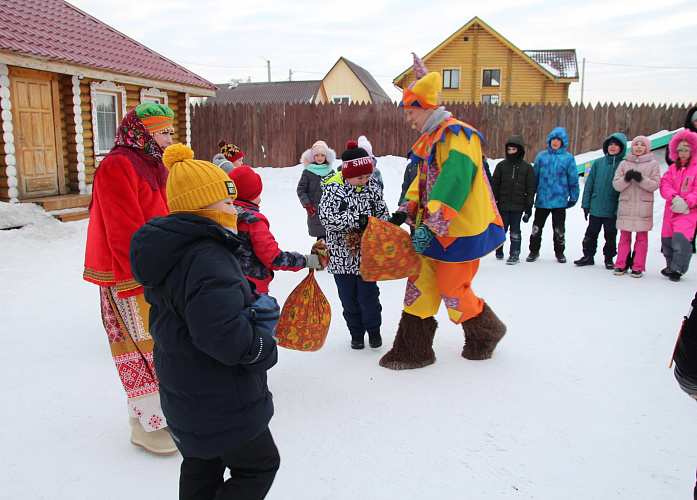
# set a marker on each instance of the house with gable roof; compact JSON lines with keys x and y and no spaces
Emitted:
{"x":479,"y":65}
{"x":346,"y":82}
{"x":66,"y":81}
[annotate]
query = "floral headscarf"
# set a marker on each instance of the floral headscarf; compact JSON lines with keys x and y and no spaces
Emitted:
{"x":133,"y":134}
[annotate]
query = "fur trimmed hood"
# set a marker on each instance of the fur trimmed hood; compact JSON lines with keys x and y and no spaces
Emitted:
{"x":308,"y":158}
{"x":680,"y":136}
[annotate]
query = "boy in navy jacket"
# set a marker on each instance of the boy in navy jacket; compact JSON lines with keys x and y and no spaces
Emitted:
{"x":210,"y":360}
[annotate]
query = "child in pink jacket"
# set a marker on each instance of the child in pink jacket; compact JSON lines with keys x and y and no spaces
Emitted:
{"x":679,"y":189}
{"x":636,"y":179}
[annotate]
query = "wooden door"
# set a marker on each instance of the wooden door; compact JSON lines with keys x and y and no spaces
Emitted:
{"x":35,"y":136}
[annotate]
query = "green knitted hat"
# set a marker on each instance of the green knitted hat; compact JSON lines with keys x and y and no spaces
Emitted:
{"x":155,"y":116}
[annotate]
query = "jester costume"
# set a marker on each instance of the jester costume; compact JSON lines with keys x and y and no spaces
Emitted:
{"x":454,"y":214}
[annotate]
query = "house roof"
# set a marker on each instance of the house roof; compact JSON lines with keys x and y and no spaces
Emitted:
{"x":55,"y":30}
{"x":377,"y":94}
{"x":561,"y":63}
{"x":301,"y":91}
{"x":545,"y":67}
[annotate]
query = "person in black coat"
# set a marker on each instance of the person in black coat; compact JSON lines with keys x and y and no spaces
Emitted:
{"x":210,"y":360}
{"x":513,"y":185}
{"x":685,"y":356}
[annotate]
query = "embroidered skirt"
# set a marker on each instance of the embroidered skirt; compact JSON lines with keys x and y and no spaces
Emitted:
{"x":126,"y":323}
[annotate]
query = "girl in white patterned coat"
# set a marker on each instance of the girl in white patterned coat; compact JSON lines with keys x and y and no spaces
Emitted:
{"x":350,"y":197}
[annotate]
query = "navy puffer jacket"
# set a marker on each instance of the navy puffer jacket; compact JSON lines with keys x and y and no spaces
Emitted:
{"x":211,"y":368}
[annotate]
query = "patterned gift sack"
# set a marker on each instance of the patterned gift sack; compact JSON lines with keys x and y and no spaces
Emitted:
{"x":387,"y":252}
{"x":305,"y":317}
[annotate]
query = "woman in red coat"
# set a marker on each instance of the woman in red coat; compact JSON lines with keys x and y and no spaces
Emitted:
{"x":128,"y":190}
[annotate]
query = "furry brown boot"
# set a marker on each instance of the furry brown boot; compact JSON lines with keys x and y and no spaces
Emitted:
{"x":482,"y":333}
{"x":413,"y":344}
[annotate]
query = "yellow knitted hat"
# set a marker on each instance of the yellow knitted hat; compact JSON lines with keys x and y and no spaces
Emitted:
{"x":194,"y":184}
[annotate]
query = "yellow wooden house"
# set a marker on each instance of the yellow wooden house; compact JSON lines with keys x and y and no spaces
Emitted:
{"x":480,"y":65}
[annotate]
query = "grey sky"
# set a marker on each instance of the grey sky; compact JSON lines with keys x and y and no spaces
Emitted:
{"x":636,"y":50}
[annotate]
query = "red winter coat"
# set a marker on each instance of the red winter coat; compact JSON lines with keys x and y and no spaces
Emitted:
{"x":122,"y":201}
{"x":259,"y":254}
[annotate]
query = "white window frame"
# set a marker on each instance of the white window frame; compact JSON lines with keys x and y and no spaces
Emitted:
{"x":119,"y":92}
{"x":154,"y":95}
{"x":499,"y":80}
{"x":491,"y":98}
{"x":341,"y":99}
{"x":450,"y":80}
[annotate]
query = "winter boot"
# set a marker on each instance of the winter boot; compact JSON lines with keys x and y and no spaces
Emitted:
{"x":157,"y":442}
{"x":532,"y":257}
{"x":560,"y":257}
{"x":375,"y":340}
{"x":482,"y":333}
{"x":357,"y":342}
{"x":609,"y":263}
{"x":586,"y":260}
{"x":413,"y":344}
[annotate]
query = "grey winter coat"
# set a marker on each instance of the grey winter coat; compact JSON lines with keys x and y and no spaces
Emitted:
{"x":309,"y":190}
{"x":635,"y":212}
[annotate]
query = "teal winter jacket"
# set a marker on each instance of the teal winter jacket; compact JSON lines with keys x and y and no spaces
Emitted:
{"x":599,"y":195}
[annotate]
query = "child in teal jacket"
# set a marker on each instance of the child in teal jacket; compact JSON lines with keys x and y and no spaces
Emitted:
{"x":600,"y":201}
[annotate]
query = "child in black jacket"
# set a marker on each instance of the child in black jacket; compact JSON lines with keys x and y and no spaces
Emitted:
{"x":685,"y":356}
{"x":210,"y":360}
{"x":513,"y":184}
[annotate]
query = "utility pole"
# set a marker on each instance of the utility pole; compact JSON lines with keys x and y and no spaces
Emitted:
{"x":583,"y":78}
{"x":268,"y":66}
{"x":290,"y":75}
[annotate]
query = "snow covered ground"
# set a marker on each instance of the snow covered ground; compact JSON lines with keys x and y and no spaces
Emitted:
{"x":578,"y":401}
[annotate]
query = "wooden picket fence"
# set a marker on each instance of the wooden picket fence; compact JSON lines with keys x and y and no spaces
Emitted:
{"x":276,"y":134}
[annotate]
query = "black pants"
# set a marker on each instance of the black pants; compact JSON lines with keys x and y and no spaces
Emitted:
{"x":590,"y":239}
{"x":252,"y":471}
{"x":558,"y":225}
{"x":511,"y":220}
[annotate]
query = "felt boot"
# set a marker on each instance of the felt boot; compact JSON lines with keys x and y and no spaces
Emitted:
{"x":158,"y":442}
{"x":413,"y":344}
{"x":482,"y":333}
